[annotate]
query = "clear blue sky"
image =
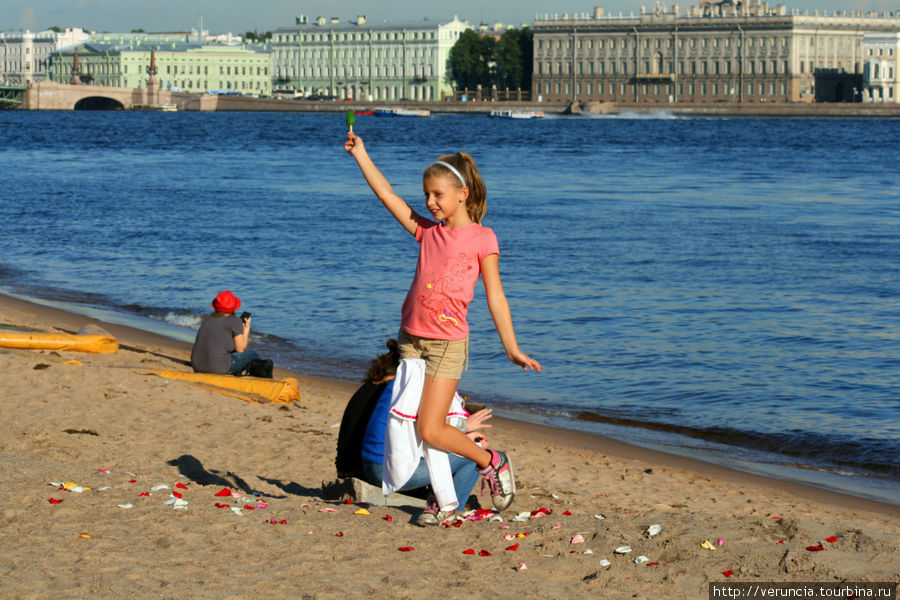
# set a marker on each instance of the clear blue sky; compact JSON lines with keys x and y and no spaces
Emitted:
{"x":221,"y":16}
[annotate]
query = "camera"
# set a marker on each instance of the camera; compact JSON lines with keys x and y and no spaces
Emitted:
{"x":245,"y":315}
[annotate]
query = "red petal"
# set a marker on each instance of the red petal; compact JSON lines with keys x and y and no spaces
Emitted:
{"x":814,"y":548}
{"x":283,"y":522}
{"x":652,"y":564}
{"x":176,"y":494}
{"x":132,"y":481}
{"x":224,"y":492}
{"x":181,"y":486}
{"x":54,"y":501}
{"x":339,"y":534}
{"x":348,"y":501}
{"x":780,"y":541}
{"x":727,"y":573}
{"x":218,"y":505}
{"x":457,"y":523}
{"x":388,"y":518}
{"x":514,"y":547}
{"x":144,"y":494}
{"x":248,"y":507}
{"x":831,"y":539}
{"x":484,"y":553}
{"x":468,"y":551}
{"x":567,"y":513}
{"x":405,"y":548}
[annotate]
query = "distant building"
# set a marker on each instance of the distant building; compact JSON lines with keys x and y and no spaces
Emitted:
{"x":184,"y":66}
{"x":721,"y":51}
{"x":362,"y":60}
{"x":24,"y":56}
{"x":882,"y":72}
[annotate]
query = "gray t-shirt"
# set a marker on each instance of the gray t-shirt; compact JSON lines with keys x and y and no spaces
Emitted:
{"x":215,"y":343}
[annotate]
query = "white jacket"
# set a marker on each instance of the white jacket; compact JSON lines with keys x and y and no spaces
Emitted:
{"x":403,"y":448}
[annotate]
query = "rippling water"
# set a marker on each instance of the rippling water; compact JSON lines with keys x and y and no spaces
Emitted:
{"x":724,"y":284}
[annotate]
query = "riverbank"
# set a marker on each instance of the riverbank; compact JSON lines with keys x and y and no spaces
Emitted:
{"x":773,"y":109}
{"x":105,"y":425}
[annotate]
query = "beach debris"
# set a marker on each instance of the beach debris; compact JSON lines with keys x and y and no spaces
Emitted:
{"x":641,"y":560}
{"x":237,"y":510}
{"x":577,"y":539}
{"x":522,"y":567}
{"x":405,"y":548}
{"x":125,"y":505}
{"x":85,"y":535}
{"x":103,"y":471}
{"x":513,"y":548}
{"x":509,"y":536}
{"x":73,"y":487}
{"x":720,"y":541}
{"x":604,"y":562}
{"x":334,"y":426}
{"x":328,"y":510}
{"x":522,"y":516}
{"x":622,"y":550}
{"x":469,"y":551}
{"x":177,"y":502}
{"x":599,"y":517}
{"x":161,"y":486}
{"x":484,"y":553}
{"x":496,"y":519}
{"x":105,"y":487}
{"x":55,"y":501}
{"x":523,"y":534}
{"x":653,"y":530}
{"x":728,"y":573}
{"x":588,"y":551}
{"x":707,"y":545}
{"x":73,"y":362}
{"x":557,"y":526}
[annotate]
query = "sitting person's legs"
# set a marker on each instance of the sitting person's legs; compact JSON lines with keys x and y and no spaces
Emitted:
{"x":241,"y":360}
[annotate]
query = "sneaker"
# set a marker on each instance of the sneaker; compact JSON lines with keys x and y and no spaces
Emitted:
{"x":500,"y":480}
{"x":432,"y":515}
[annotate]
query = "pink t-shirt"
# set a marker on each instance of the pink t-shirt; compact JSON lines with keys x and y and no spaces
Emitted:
{"x":446,"y":274}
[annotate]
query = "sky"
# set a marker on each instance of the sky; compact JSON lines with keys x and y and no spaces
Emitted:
{"x":238,"y":16}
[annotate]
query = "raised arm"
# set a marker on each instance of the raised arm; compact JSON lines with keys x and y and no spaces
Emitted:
{"x":379,"y":184}
{"x":499,"y":307}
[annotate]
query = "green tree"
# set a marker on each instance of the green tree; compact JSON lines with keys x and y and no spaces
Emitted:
{"x":509,"y":70}
{"x":253,"y":36}
{"x":471,"y":59}
{"x":55,"y":29}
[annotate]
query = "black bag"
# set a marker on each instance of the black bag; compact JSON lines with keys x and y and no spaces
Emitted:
{"x":353,"y":428}
{"x":260,"y":368}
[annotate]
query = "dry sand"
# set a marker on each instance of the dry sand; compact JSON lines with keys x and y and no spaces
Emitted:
{"x":70,"y":423}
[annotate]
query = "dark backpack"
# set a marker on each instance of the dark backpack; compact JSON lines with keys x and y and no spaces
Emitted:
{"x":260,"y":368}
{"x":353,"y":428}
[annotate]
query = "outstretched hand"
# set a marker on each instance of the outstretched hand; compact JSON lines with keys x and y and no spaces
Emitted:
{"x":523,"y":360}
{"x":476,"y":420}
{"x":354,"y":144}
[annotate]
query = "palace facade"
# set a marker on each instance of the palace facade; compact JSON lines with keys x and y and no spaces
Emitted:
{"x":716,"y":52}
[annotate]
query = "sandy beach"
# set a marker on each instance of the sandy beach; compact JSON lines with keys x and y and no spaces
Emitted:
{"x":100,"y":422}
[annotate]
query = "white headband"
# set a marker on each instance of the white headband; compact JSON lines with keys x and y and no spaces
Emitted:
{"x":452,"y":168}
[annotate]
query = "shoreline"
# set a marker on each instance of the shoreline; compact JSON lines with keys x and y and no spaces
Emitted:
{"x":118,"y":483}
{"x":158,"y":344}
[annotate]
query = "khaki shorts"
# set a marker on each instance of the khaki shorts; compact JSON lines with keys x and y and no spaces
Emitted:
{"x":446,"y":359}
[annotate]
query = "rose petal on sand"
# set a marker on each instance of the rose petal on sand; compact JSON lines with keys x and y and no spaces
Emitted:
{"x":339,"y":534}
{"x":85,"y":535}
{"x":653,"y":530}
{"x":103,"y":471}
{"x":388,"y":518}
{"x":513,"y":548}
{"x":728,"y":573}
{"x":641,"y":559}
{"x":577,"y":539}
{"x":143,"y":494}
{"x":362,"y":512}
{"x":237,"y":510}
{"x":523,"y":534}
{"x":720,"y":541}
{"x":604,"y":563}
{"x":223,"y":493}
{"x":469,"y":551}
{"x":484,"y":553}
{"x":220,"y":505}
{"x":509,"y":536}
{"x":125,"y":505}
{"x":557,"y":526}
{"x":327,"y":509}
{"x":177,"y":494}
{"x":815,"y":548}
{"x":567,"y":513}
{"x":161,"y":486}
{"x":522,"y":567}
{"x":249,"y":507}
{"x":622,"y":550}
{"x":55,"y":501}
{"x":282,"y":522}
{"x":181,"y":486}
{"x":599,"y":517}
{"x":652,"y":564}
{"x":831,"y":539}
{"x":405,"y":548}
{"x":707,"y":545}
{"x":588,"y":551}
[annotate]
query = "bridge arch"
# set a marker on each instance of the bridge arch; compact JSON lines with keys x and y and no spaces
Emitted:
{"x":98,"y":103}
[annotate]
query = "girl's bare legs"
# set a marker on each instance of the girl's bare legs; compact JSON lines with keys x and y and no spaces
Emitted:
{"x":435,"y":431}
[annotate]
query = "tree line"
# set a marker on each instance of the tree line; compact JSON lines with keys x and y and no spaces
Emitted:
{"x":507,"y":63}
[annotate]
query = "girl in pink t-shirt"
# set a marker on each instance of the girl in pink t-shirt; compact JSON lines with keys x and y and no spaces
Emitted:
{"x":454,"y":250}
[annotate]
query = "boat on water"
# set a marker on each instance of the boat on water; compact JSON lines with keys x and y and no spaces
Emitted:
{"x":167,"y":107}
{"x":401,"y":112}
{"x":517,"y":114}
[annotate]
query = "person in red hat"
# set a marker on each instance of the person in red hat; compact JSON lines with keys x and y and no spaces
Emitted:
{"x":221,"y":343}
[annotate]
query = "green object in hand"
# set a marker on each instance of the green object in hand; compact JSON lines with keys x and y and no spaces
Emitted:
{"x":351,"y":120}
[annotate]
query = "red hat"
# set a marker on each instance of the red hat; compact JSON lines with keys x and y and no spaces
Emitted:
{"x":226,"y":302}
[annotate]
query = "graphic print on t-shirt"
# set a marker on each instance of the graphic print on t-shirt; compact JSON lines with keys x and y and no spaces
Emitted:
{"x":446,"y":284}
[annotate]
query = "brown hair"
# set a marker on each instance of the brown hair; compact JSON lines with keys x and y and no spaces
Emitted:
{"x":476,"y":203}
{"x":385,"y":364}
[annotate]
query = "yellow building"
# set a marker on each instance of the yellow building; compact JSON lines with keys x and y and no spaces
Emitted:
{"x":715,"y":52}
